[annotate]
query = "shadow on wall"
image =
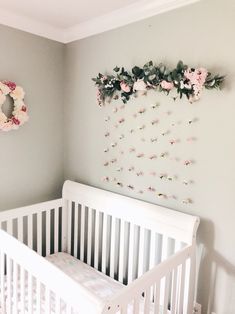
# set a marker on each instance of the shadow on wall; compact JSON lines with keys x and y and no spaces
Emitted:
{"x":212,"y":263}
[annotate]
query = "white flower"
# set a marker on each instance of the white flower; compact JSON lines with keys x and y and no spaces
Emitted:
{"x":4,"y":88}
{"x":22,"y":116}
{"x":2,"y":98}
{"x":3,"y":118}
{"x":18,"y":93}
{"x":139,"y":85}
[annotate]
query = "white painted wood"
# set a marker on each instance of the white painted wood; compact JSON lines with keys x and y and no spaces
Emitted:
{"x":69,"y":226}
{"x":104,"y":243}
{"x":22,"y":289}
{"x":82,"y":235}
{"x":56,"y":229}
{"x":75,"y":239}
{"x":39,"y":233}
{"x":30,"y":231}
{"x":141,"y":252}
{"x":168,"y":222}
{"x":131,"y":252}
{"x":20,"y":229}
{"x":89,"y":236}
{"x":175,"y":280}
{"x":112,"y":247}
{"x":121,"y":251}
{"x":15,"y":287}
{"x":97,"y":239}
{"x":2,"y":281}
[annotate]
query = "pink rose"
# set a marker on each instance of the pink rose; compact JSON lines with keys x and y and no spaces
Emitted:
{"x":166,"y":85}
{"x":126,"y":88}
{"x":15,"y":121}
{"x":10,"y":84}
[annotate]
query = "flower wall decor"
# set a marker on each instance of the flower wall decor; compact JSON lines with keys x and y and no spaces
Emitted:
{"x":19,"y":114}
{"x":183,"y":80}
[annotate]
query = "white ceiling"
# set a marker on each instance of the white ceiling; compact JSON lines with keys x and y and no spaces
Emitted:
{"x":68,"y":20}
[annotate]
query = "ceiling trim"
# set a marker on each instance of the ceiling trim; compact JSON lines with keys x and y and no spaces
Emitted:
{"x":126,"y":15}
{"x":31,"y":26}
{"x":129,"y":14}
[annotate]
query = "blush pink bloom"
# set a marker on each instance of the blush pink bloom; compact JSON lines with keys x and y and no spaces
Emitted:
{"x":10,"y":84}
{"x":166,"y":85}
{"x":124,"y":87}
{"x":139,"y":85}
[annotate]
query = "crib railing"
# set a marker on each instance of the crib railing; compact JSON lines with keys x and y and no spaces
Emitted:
{"x":164,"y":289}
{"x":29,"y":284}
{"x":38,"y":226}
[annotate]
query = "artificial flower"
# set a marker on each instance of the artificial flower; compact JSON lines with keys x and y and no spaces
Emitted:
{"x":139,"y":85}
{"x":18,"y":93}
{"x":167,"y":85}
{"x":125,"y":87}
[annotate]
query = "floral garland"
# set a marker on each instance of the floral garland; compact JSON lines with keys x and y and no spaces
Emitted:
{"x":183,"y":79}
{"x":19,"y":114}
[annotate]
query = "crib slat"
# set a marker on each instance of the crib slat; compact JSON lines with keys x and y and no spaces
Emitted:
{"x":82,"y":235}
{"x":112,"y":247}
{"x":141,"y":251}
{"x":137,"y":304}
{"x":38,"y":297}
{"x":56,"y":229}
{"x":166,"y":294}
{"x":182,"y":285}
{"x":104,"y":243}
{"x":2,"y":280}
{"x":9,"y":224}
{"x":30,"y":293}
{"x":30,"y":231}
{"x":9,"y":282}
{"x":131,"y":252}
{"x":57,"y":304}
{"x":97,"y":239}
{"x":22,"y":289}
{"x":89,"y":236}
{"x":20,"y":229}
{"x":47,"y":300}
{"x":75,"y":247}
{"x":69,"y":227}
{"x":15,"y":288}
{"x":121,"y":251}
{"x":152,"y":250}
{"x":147,"y":301}
{"x":164,"y":248}
{"x":39,"y":233}
{"x":156,"y":297}
{"x":48,"y":232}
{"x":174,"y":290}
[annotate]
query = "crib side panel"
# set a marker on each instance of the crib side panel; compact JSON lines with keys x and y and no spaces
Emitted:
{"x":164,"y":289}
{"x":38,"y":226}
{"x":29,"y":284}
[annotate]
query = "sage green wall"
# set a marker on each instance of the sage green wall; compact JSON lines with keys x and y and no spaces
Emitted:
{"x":31,"y":159}
{"x":200,"y":34}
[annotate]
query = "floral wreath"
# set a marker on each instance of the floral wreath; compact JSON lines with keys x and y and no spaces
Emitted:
{"x":183,"y":79}
{"x":19,"y":113}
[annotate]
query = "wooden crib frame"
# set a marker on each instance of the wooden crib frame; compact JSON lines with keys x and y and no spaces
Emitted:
{"x":148,"y":247}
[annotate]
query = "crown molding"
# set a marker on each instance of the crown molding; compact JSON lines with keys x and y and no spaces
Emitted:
{"x":32,"y":26}
{"x":130,"y":14}
{"x":124,"y":16}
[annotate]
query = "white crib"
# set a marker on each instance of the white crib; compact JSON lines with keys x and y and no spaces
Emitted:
{"x":131,"y":256}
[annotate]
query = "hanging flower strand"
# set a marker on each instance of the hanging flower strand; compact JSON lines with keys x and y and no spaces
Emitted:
{"x":183,"y":79}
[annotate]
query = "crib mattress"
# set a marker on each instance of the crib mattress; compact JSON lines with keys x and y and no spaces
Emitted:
{"x":96,"y":282}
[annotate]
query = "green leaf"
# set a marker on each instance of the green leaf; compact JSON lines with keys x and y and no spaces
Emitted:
{"x":116,"y":69}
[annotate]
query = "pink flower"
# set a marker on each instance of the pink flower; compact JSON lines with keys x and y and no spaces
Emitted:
{"x":139,"y":85}
{"x":126,"y":88}
{"x":166,"y":85}
{"x":15,"y":121}
{"x":10,"y":84}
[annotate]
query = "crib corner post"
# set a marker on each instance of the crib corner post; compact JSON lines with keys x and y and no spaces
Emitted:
{"x":64,"y":226}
